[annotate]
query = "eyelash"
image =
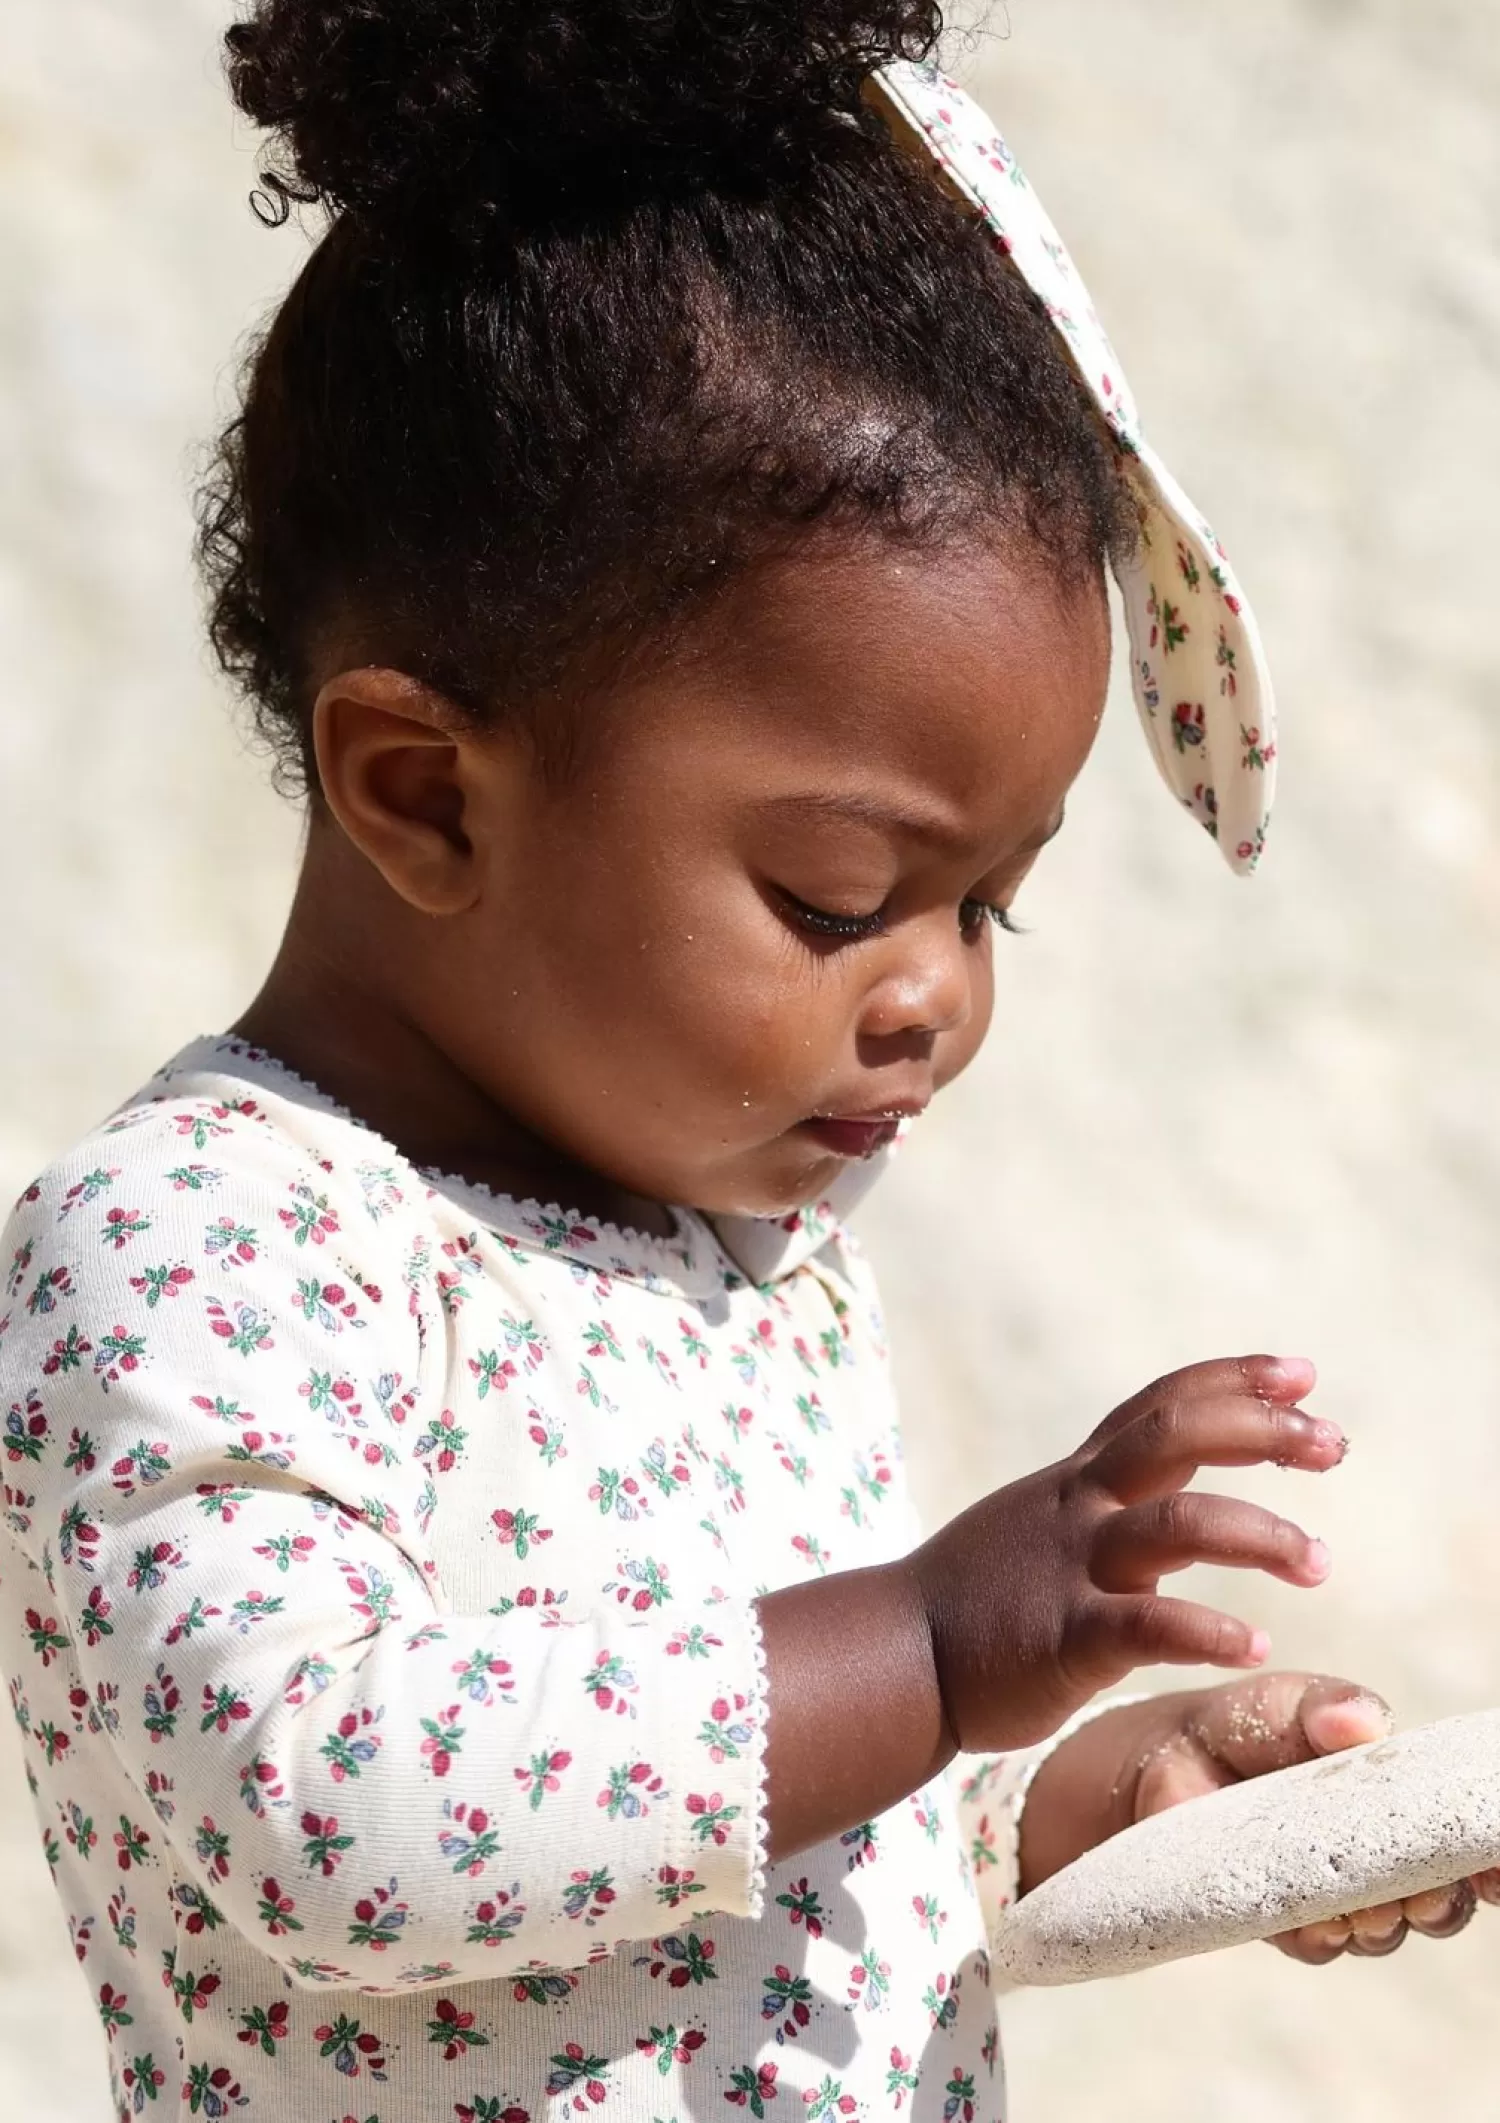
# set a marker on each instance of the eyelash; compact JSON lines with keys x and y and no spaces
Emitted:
{"x":859,"y":928}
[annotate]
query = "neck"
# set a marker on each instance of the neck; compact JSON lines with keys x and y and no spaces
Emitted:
{"x":333,"y":1010}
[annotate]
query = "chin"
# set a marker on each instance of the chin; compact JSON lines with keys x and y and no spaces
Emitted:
{"x":782,"y":1180}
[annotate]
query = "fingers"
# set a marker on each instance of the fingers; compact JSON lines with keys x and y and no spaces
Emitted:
{"x":1143,"y":1629}
{"x":1371,"y":1934}
{"x":1443,"y":1913}
{"x":1166,"y":1443}
{"x":1134,"y":1547}
{"x":1286,"y":1379}
{"x":1284,"y":1718}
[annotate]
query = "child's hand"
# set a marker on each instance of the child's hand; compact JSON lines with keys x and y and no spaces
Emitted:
{"x":1046,"y":1592}
{"x":1222,"y":1735}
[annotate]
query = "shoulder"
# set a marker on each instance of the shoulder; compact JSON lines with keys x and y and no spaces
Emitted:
{"x":207,"y":1177}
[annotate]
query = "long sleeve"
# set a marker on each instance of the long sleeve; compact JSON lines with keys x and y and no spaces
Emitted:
{"x":228,"y":1406}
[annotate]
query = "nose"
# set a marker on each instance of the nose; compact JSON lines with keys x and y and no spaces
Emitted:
{"x":926,"y":989}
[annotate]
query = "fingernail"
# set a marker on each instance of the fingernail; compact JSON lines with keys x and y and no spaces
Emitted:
{"x":1260,"y":1648}
{"x":1285,"y":1370}
{"x":1318,"y":1561}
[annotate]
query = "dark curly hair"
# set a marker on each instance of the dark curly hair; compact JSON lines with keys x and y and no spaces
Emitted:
{"x":615,"y":300}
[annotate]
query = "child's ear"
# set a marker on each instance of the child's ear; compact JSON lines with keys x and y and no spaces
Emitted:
{"x":399,"y":767}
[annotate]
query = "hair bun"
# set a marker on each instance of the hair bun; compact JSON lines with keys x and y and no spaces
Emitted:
{"x":498,"y":100}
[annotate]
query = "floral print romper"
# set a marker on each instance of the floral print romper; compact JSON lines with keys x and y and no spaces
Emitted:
{"x":376,"y":1603}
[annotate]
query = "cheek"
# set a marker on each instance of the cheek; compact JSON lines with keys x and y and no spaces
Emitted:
{"x":958,"y":1048}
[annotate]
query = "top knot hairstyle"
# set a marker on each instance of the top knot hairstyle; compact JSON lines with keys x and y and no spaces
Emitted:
{"x":615,"y":300}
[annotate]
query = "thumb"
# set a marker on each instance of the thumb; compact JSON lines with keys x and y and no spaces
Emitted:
{"x":1280,"y":1719}
{"x":1339,"y":1714}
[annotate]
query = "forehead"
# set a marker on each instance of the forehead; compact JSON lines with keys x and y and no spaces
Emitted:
{"x":960,"y":689}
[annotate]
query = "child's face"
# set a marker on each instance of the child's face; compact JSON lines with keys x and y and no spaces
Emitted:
{"x":634,"y":979}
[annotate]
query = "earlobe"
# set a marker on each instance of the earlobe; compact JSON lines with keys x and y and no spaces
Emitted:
{"x":394,"y":765}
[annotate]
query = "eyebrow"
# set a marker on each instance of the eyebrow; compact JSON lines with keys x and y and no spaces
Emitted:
{"x":915,"y":819}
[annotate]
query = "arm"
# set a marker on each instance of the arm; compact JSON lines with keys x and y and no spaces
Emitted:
{"x":366,"y":1786}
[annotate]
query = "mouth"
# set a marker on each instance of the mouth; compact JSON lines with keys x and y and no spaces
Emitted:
{"x":860,"y":1135}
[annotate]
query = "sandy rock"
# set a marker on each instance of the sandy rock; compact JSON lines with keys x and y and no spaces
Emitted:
{"x":1359,"y":1829}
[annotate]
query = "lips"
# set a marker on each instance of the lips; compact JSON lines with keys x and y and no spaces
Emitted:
{"x":857,"y":1135}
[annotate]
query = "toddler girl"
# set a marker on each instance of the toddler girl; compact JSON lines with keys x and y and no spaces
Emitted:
{"x":474,"y":1653}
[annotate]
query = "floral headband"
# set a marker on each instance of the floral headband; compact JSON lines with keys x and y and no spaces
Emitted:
{"x":1199,"y":671}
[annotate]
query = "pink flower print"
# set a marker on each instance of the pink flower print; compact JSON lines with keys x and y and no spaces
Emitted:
{"x":1187,"y":725}
{"x":276,"y":1909}
{"x":752,"y":2086}
{"x":666,"y":2047}
{"x":693,"y":1643}
{"x":162,"y":1282}
{"x":144,"y":2080}
{"x":443,"y":1441}
{"x":727,"y":1729}
{"x":619,"y":1494}
{"x":247,"y":1330}
{"x":786,"y":1998}
{"x":79,"y":1828}
{"x":561,"y":1233}
{"x":25,"y":1429}
{"x":284,"y":1549}
{"x":544,"y":1775}
{"x":498,"y":1918}
{"x":711,"y":1818}
{"x":664,"y":1465}
{"x":674,"y":1886}
{"x":309,"y":1220}
{"x":349,"y":2049}
{"x":122,"y":1225}
{"x":130,"y":1845}
{"x":222,"y":1707}
{"x":861,"y":1844}
{"x":148,"y":1573}
{"x":237,"y":1243}
{"x":928,"y":1915}
{"x":941,"y":2000}
{"x":140,"y":1467}
{"x":453,"y":2030}
{"x":112,"y":2012}
{"x":959,"y":2106}
{"x":683,"y":1961}
{"x":827,"y":2101}
{"x":803,"y":1906}
{"x":811,"y":1550}
{"x":578,"y":2075}
{"x":161,"y":1700}
{"x":900,"y":2080}
{"x":445,"y":1736}
{"x":95,"y":1619}
{"x":589,"y":1896}
{"x":869,"y":1981}
{"x":372,"y":1596}
{"x":485,"y":1679}
{"x":47,"y":1639}
{"x":261,"y":1786}
{"x":67,"y":1354}
{"x":738,"y":1419}
{"x":644,"y":1584}
{"x":323,"y":1851}
{"x":81,"y":1932}
{"x":353,"y":1744}
{"x":266,"y":2025}
{"x":611,"y":1683}
{"x":78,"y":1535}
{"x":379,"y":1918}
{"x":470,"y":1840}
{"x":484,"y":2109}
{"x":329,"y":1305}
{"x":492,"y":1370}
{"x":1258,"y":754}
{"x":212,"y":2091}
{"x":631,"y":1788}
{"x":519,"y":1530}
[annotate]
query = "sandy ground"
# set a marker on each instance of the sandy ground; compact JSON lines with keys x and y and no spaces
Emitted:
{"x":1211,"y":1115}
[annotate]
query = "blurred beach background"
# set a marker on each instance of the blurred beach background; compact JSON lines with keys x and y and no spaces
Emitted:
{"x":1212,"y":1115}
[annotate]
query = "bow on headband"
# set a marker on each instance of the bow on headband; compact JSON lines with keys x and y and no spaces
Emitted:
{"x":1199,"y":671}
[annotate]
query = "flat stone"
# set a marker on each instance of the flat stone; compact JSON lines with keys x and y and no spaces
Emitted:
{"x":1347,"y":1832}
